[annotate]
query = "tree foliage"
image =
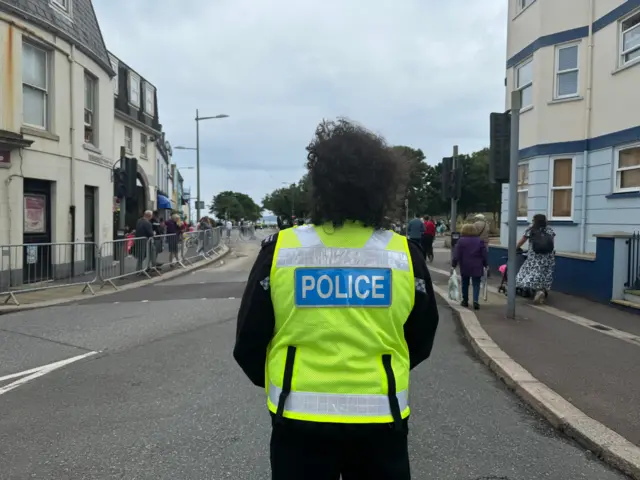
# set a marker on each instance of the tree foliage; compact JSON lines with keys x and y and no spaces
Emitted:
{"x":422,"y":188}
{"x":291,"y":200}
{"x":235,"y":206}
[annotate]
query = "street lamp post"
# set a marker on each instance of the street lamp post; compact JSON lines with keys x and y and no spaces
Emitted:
{"x":197,"y":149}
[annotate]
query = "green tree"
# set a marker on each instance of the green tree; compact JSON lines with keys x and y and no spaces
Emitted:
{"x":478,"y":193}
{"x":235,"y":206}
{"x":286,"y":201}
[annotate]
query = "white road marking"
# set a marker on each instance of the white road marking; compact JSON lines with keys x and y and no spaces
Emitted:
{"x":116,"y":303}
{"x":34,"y":373}
{"x":578,"y":320}
{"x":232,"y":298}
{"x":144,"y":301}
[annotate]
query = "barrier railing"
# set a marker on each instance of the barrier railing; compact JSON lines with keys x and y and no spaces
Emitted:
{"x":125,"y":257}
{"x":633,"y":262}
{"x":42,"y":266}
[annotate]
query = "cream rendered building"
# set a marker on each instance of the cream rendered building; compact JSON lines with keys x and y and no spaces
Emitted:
{"x":577,"y":66}
{"x":56,"y":128}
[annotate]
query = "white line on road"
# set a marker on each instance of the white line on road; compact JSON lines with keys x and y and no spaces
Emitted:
{"x":578,"y":320}
{"x":34,"y":373}
{"x":144,"y":301}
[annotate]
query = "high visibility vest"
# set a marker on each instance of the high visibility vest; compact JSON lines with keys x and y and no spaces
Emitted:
{"x":341,"y":297}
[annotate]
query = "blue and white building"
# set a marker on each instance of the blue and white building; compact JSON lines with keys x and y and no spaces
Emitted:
{"x":577,"y":66}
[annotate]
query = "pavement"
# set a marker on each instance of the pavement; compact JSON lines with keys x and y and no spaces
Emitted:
{"x":150,"y":391}
{"x":586,"y":352}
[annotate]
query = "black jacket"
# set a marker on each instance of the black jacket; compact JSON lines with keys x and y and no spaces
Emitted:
{"x":256,"y":319}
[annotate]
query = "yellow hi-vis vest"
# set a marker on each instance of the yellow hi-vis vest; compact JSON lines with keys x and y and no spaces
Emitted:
{"x":341,"y":298}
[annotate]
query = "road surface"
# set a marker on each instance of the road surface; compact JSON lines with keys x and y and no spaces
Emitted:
{"x":163,"y":399}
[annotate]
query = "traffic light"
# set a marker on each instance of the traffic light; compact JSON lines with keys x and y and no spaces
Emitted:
{"x":131,"y":172}
{"x":120,"y":183}
{"x":499,"y":147}
{"x":445,"y":180}
{"x":451,"y":179}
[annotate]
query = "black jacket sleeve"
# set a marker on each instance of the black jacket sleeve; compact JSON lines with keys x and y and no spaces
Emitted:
{"x":420,"y":328}
{"x":256,"y":319}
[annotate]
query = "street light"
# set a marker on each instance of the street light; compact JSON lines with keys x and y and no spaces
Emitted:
{"x":197,"y":149}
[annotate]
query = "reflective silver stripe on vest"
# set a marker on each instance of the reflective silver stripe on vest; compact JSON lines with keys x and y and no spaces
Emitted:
{"x":355,"y":405}
{"x":313,"y":253}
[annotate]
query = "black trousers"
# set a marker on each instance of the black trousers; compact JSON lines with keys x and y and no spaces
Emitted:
{"x":427,"y":245}
{"x":325,"y":451}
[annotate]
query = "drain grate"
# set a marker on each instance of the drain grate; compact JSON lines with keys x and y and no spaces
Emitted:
{"x":601,"y":327}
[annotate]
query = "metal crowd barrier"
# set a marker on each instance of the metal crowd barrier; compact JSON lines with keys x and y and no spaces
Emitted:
{"x":42,"y":266}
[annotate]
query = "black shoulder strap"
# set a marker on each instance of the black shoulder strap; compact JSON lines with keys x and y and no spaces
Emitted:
{"x":270,"y":240}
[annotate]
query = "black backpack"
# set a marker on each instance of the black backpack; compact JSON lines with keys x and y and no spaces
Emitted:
{"x":541,"y":241}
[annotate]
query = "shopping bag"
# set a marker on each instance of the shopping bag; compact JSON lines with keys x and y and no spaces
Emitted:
{"x":454,"y":287}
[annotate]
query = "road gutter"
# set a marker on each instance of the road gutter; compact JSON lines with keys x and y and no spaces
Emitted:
{"x":608,"y":445}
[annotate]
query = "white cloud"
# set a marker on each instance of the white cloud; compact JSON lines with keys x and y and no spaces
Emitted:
{"x":424,"y":73}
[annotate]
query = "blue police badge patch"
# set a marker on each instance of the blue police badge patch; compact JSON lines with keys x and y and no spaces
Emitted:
{"x":343,"y":287}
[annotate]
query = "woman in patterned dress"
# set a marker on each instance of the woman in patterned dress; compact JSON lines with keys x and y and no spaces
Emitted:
{"x":536,"y":274}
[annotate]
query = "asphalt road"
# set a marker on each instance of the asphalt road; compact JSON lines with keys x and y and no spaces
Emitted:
{"x":163,"y":398}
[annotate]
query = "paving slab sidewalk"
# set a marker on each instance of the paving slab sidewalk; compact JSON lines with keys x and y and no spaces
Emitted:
{"x":597,"y":373}
{"x":60,"y":295}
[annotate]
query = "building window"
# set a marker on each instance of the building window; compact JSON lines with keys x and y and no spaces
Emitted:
{"x":143,"y":145}
{"x":116,"y":79}
{"x":566,"y":71}
{"x":149,"y":103}
{"x":561,"y":188}
{"x":90,"y":109}
{"x":630,"y":39}
{"x":128,"y":139}
{"x":63,"y":5}
{"x":523,"y":191}
{"x":524,"y":82}
{"x":35,"y":86}
{"x":628,"y":169}
{"x":522,"y":4}
{"x":134,"y":89}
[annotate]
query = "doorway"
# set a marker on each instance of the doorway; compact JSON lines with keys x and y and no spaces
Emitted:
{"x":36,"y":234}
{"x":90,"y":250}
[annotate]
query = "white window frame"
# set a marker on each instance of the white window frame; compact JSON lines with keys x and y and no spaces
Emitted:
{"x":520,"y":88}
{"x":616,"y":169}
{"x":64,"y":6}
{"x":128,"y":139}
{"x":623,"y":53}
{"x":46,"y":99}
{"x":134,"y":79}
{"x":559,"y":72}
{"x":149,"y":99}
{"x":116,"y":80}
{"x":144,"y":141}
{"x":92,"y":109}
{"x":523,"y":189}
{"x":523,"y":4}
{"x":572,"y":187}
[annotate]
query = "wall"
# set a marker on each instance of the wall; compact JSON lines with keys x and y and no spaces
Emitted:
{"x":588,"y":278}
{"x":49,"y":157}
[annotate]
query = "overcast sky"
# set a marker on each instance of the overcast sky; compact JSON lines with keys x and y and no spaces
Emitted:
{"x":423,"y":73}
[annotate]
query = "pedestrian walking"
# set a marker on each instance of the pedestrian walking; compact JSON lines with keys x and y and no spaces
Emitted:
{"x":428,"y":236}
{"x":415,"y":230}
{"x":335,"y":315}
{"x":470,"y":253}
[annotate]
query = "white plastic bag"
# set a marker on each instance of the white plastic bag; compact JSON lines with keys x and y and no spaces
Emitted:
{"x":454,"y":287}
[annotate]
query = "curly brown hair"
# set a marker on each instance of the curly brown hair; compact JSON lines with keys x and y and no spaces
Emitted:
{"x":354,"y":175}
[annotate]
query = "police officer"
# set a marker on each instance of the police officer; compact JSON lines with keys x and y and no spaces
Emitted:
{"x":335,"y":315}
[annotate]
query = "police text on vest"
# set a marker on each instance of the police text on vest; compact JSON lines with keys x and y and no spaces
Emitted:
{"x":343,"y":287}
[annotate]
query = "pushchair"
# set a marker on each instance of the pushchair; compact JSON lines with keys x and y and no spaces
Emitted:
{"x":521,"y":256}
